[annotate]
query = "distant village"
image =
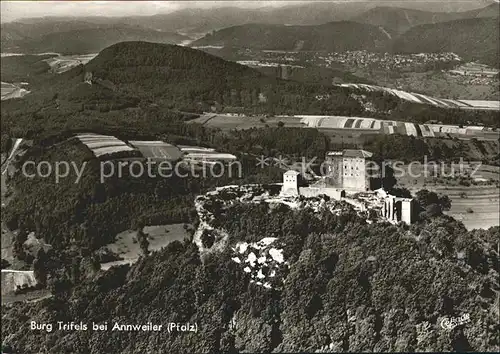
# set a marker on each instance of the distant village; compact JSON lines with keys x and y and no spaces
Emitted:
{"x":387,"y":61}
{"x":451,"y":63}
{"x":358,"y":59}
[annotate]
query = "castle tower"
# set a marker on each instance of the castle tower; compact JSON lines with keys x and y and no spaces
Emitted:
{"x":348,"y":169}
{"x":290,"y":183}
{"x":407,"y":211}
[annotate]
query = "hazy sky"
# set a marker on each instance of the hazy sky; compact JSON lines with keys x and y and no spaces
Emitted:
{"x":12,"y":10}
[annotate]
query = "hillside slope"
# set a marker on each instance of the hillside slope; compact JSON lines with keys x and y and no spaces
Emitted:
{"x":187,"y":77}
{"x":37,"y":28}
{"x":473,"y":39}
{"x":348,"y":287}
{"x":399,"y":20}
{"x":141,"y":74}
{"x":333,"y":36}
{"x":23,"y":68}
{"x":87,"y":39}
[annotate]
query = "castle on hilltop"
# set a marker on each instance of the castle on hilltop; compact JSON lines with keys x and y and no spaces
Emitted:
{"x":349,"y":175}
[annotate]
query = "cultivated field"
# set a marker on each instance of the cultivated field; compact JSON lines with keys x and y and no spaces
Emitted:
{"x":478,"y":209}
{"x":438,"y":84}
{"x":228,"y":122}
{"x":476,"y":205}
{"x":424,"y":99}
{"x":128,"y":248}
{"x":102,"y":145}
{"x":63,"y":63}
{"x":157,"y":150}
{"x":347,"y":127}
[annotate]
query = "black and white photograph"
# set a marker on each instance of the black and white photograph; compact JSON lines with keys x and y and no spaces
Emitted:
{"x":207,"y":177}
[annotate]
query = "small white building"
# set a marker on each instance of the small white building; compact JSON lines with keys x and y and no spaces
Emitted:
{"x":290,"y":183}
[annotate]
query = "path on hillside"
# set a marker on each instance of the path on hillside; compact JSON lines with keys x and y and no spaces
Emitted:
{"x":385,"y":32}
{"x":5,"y":165}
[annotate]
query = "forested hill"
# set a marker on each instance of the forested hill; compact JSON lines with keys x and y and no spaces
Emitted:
{"x":13,"y":32}
{"x":190,"y":79}
{"x":87,"y":40}
{"x":473,"y":39}
{"x":396,"y":20}
{"x":399,"y":20}
{"x":135,"y":75}
{"x":126,"y":62}
{"x":333,"y":36}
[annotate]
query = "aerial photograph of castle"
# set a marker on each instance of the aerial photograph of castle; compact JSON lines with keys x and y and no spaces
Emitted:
{"x":307,"y":176}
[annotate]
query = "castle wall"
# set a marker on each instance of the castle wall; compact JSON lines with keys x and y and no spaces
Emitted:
{"x":334,"y":174}
{"x":333,"y":193}
{"x":398,"y":209}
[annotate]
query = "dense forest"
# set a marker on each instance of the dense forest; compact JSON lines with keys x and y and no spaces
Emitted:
{"x":350,"y":286}
{"x":180,"y":78}
{"x":24,"y":67}
{"x":399,"y":20}
{"x":184,"y":77}
{"x":69,"y":105}
{"x":91,"y":212}
{"x":474,"y":39}
{"x":315,"y":74}
{"x":329,"y":37}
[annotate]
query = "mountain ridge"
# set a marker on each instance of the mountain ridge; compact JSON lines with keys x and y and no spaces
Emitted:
{"x":474,"y":39}
{"x":398,"y":20}
{"x":197,"y":20}
{"x":331,"y":36}
{"x":86,"y":38}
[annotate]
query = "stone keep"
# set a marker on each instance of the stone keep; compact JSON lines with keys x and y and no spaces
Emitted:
{"x":347,"y":169}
